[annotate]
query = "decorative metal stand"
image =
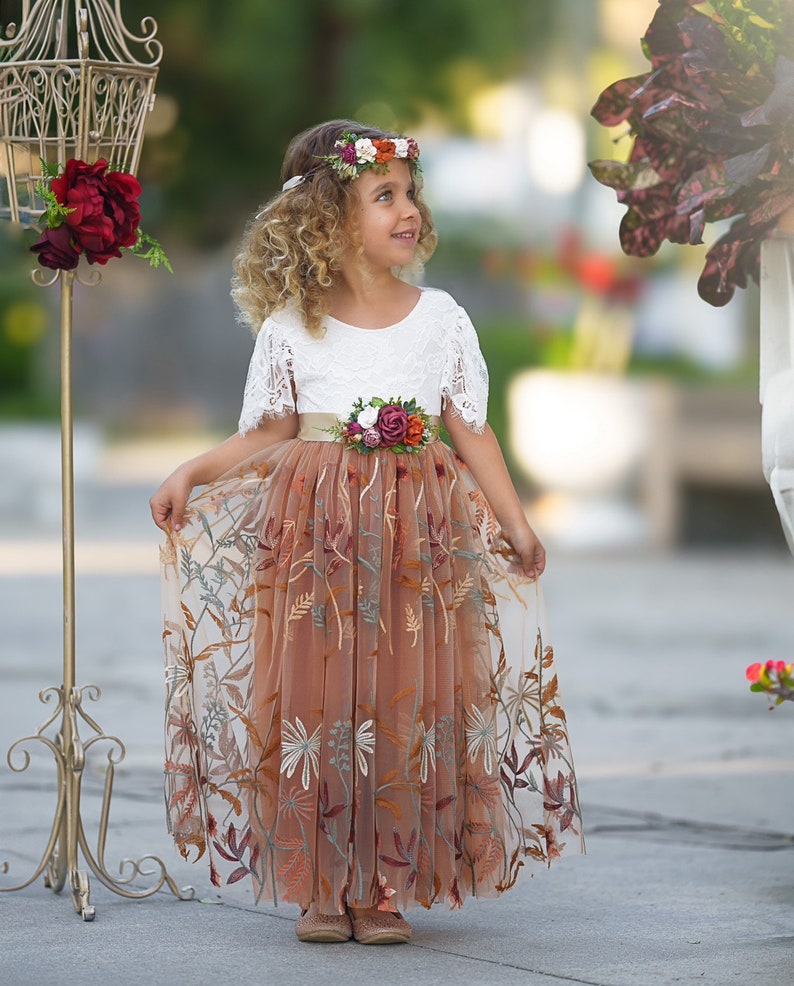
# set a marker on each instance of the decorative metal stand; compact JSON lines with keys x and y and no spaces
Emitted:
{"x":71,"y":87}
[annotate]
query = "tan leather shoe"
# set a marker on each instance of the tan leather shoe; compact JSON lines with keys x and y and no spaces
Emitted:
{"x":314,"y":926}
{"x":385,"y":928}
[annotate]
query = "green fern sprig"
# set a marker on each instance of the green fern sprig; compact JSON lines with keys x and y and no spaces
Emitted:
{"x":148,"y":248}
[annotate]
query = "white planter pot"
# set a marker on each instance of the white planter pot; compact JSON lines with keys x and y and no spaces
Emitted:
{"x":583,"y":439}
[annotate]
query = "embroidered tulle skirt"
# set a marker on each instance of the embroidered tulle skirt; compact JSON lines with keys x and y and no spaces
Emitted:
{"x":362,"y":705}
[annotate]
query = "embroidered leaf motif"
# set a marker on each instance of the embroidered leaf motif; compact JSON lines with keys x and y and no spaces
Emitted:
{"x":190,"y":621}
{"x":549,"y":691}
{"x":412,"y":624}
{"x":392,"y":861}
{"x":239,"y":674}
{"x":489,"y":855}
{"x":394,"y":808}
{"x":298,"y":865}
{"x":300,"y":608}
{"x":462,"y":589}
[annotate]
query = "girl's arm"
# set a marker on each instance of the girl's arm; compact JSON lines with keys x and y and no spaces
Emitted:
{"x":168,"y":503}
{"x":482,"y":455}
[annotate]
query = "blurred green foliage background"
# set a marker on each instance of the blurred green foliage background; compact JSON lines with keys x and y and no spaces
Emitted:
{"x":243,"y":78}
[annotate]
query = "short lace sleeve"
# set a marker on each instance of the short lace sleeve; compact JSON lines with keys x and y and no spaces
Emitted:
{"x":464,"y":384}
{"x":268,"y":388}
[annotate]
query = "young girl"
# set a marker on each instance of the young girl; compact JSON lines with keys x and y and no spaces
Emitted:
{"x":362,"y":710}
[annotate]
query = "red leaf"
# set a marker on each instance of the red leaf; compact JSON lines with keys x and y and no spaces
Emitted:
{"x":392,"y":861}
{"x":222,"y":852}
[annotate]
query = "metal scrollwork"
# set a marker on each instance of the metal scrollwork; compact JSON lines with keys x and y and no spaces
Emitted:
{"x":75,"y":81}
{"x":58,"y":861}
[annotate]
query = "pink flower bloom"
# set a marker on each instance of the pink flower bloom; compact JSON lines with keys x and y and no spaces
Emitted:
{"x":371,"y":437}
{"x":348,"y":153}
{"x":354,"y":428}
{"x":413,"y":149}
{"x":753,"y":672}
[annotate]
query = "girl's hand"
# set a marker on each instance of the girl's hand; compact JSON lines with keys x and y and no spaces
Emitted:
{"x":168,"y":503}
{"x":529,"y":551}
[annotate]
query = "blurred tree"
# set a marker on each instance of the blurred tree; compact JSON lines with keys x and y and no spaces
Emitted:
{"x":23,"y":324}
{"x":248,"y":75}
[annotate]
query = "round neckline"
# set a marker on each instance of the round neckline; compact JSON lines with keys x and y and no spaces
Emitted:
{"x":383,"y":328}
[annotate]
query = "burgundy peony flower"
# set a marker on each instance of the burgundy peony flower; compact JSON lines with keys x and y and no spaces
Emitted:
{"x":105,"y":213}
{"x":56,"y":250}
{"x":371,"y":437}
{"x":392,"y":424}
{"x":354,"y":428}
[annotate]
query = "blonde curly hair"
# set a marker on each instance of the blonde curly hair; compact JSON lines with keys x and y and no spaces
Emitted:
{"x":291,"y":251}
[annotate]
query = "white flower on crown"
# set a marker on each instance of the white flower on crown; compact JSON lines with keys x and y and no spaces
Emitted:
{"x":367,"y":416}
{"x":366,"y":152}
{"x":401,"y":147}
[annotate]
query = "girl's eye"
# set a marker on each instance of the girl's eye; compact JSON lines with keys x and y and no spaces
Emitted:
{"x":384,"y":197}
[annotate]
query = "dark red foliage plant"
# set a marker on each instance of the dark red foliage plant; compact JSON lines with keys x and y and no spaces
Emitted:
{"x":712,"y":130}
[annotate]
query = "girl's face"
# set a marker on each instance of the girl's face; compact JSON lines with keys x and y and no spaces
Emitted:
{"x":384,"y":216}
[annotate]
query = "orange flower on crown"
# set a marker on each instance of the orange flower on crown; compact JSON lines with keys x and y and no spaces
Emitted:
{"x":416,"y":429}
{"x":385,"y":149}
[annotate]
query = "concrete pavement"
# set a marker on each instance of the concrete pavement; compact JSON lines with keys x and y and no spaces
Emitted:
{"x":686,"y":784}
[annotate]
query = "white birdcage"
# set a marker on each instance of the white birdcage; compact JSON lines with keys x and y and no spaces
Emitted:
{"x":75,"y":82}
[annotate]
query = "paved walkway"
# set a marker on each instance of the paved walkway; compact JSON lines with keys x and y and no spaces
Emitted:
{"x":687,"y":783}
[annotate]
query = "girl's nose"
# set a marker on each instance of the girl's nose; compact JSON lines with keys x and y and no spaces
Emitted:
{"x":410,"y":208}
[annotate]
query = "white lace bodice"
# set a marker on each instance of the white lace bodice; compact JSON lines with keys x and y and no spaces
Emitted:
{"x":432,"y":355}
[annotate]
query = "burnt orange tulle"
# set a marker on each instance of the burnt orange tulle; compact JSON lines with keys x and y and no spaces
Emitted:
{"x":362,"y":707}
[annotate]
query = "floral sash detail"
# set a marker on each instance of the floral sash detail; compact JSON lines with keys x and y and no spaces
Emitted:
{"x":395,"y":424}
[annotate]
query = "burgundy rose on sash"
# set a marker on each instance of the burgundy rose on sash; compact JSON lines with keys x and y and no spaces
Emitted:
{"x":392,"y":424}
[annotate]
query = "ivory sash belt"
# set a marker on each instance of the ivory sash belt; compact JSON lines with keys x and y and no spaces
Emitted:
{"x":314,"y":426}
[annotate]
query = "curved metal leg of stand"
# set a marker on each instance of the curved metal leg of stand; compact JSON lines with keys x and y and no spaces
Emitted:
{"x":60,"y":862}
{"x":79,"y":883}
{"x":53,"y":860}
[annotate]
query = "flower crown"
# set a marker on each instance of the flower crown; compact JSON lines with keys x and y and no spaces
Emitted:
{"x":355,"y":154}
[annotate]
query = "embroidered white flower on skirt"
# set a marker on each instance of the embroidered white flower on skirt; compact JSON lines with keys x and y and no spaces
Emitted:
{"x":480,"y":736}
{"x":428,"y":750}
{"x":364,"y":744}
{"x":297,"y":745}
{"x":178,"y":678}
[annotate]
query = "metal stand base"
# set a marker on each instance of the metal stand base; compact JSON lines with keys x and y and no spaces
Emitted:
{"x":59,"y":861}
